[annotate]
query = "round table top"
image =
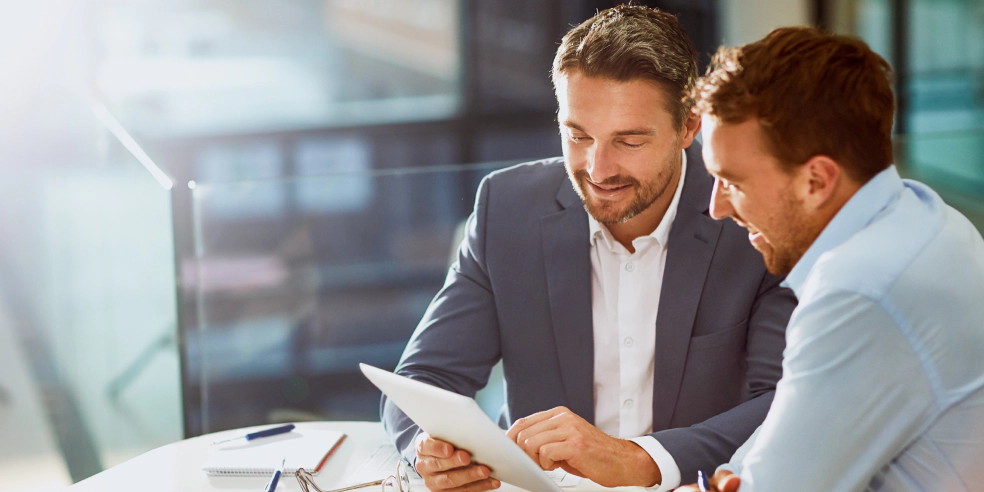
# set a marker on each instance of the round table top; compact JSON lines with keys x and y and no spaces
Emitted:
{"x":178,"y":466}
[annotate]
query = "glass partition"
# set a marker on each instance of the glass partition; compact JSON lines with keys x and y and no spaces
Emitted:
{"x":89,"y":364}
{"x":955,"y":159}
{"x":952,"y":163}
{"x":323,"y":273}
{"x":298,"y":280}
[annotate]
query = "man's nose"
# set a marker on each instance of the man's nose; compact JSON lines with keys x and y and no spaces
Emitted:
{"x":720,"y":202}
{"x":601,"y":163}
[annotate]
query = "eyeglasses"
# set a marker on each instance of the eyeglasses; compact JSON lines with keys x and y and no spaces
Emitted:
{"x":393,"y":483}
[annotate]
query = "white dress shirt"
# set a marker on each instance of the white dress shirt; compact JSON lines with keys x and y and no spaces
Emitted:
{"x":625,"y":290}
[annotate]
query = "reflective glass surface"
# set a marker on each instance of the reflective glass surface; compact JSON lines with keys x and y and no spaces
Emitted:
{"x":322,"y":273}
{"x":952,"y":163}
{"x":945,"y":41}
{"x":89,"y":359}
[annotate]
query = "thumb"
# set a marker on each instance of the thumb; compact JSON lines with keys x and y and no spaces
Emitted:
{"x":729,"y":483}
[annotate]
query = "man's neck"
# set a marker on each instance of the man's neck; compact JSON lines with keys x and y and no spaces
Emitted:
{"x":648,"y":220}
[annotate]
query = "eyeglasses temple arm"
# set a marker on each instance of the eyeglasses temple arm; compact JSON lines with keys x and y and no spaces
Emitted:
{"x":353,"y":487}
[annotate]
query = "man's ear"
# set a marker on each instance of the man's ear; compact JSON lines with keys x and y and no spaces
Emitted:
{"x":818,"y":181}
{"x":690,"y":128}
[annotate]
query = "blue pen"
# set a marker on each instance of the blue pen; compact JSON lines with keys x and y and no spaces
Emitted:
{"x":702,"y":482}
{"x":263,"y":433}
{"x":272,"y":484}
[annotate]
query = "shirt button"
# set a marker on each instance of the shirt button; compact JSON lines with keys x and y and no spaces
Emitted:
{"x":628,"y":404}
{"x":630,"y":266}
{"x":628,"y":342}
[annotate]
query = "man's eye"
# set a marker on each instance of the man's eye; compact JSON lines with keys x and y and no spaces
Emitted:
{"x":632,"y":145}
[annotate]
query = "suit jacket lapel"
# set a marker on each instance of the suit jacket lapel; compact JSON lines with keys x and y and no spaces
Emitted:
{"x":690,"y":248}
{"x":567,"y":255}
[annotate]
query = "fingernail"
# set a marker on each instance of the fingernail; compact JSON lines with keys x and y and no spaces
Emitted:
{"x":496,"y":483}
{"x":484,"y":472}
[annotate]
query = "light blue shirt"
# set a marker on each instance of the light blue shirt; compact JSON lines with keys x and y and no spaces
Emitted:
{"x":884,"y":363}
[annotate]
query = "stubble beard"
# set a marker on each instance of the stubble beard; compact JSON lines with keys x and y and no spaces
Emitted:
{"x":797,"y":236}
{"x":607,"y":212}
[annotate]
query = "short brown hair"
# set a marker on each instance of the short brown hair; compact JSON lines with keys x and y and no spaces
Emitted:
{"x":814,"y":93}
{"x":629,"y":42}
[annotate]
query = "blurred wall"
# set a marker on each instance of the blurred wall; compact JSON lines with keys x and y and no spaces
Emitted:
{"x":744,"y":21}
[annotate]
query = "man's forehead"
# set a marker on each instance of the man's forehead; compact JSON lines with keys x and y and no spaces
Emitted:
{"x":716,"y":149}
{"x":608,"y":106}
{"x":578,"y":88}
{"x":563,"y":78}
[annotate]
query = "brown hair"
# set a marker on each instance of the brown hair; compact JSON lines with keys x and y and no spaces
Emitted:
{"x":814,"y":93}
{"x":629,"y":42}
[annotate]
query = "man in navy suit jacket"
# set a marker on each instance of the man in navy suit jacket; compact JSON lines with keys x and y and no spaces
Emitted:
{"x":641,"y":340}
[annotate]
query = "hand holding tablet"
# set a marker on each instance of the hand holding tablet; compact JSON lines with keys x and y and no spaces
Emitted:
{"x":458,"y":420}
{"x":442,"y":466}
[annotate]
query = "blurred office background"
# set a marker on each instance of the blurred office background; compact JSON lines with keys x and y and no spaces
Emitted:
{"x":212,"y":210}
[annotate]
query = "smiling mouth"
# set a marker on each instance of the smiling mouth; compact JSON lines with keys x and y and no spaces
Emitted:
{"x":606,"y":188}
{"x":756,"y":238}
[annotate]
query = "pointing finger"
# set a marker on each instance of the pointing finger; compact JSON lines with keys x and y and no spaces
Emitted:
{"x":525,"y":422}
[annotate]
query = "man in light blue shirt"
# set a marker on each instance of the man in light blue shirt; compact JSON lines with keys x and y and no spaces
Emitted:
{"x":883,"y":371}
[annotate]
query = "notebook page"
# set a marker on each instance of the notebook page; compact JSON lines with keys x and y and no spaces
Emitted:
{"x":302,"y":449}
{"x":379,"y":465}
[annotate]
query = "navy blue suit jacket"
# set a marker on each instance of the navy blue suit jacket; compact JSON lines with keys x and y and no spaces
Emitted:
{"x":521,"y":292}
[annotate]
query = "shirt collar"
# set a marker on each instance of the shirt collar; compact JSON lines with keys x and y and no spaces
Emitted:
{"x":598,"y":230}
{"x":854,"y":216}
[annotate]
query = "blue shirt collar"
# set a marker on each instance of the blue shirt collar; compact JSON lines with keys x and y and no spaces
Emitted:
{"x":855,"y":215}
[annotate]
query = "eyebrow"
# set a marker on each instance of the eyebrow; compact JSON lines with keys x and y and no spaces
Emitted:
{"x":649,"y":132}
{"x":725,"y":175}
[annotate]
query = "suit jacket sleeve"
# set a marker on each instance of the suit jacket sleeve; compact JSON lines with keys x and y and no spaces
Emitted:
{"x":706,"y":445}
{"x":456,"y":343}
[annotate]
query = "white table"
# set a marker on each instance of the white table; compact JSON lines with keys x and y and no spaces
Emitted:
{"x":178,"y":466}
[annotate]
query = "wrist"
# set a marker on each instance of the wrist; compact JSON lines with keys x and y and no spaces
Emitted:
{"x":643,"y":470}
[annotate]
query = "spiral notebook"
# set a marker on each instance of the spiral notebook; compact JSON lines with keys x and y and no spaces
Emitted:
{"x":303,"y":448}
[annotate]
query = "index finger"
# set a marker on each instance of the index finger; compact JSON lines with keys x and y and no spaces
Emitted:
{"x":525,"y":422}
{"x":429,"y":446}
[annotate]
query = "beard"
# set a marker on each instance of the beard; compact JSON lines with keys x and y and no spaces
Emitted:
{"x":609,"y":212}
{"x":785,"y":248}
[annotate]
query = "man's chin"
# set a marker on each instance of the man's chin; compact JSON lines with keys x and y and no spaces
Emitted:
{"x":606,"y":212}
{"x":778,"y":264}
{"x":774,"y":267}
{"x":773,"y":261}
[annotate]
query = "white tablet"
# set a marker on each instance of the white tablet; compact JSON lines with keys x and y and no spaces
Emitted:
{"x":460,"y":421}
